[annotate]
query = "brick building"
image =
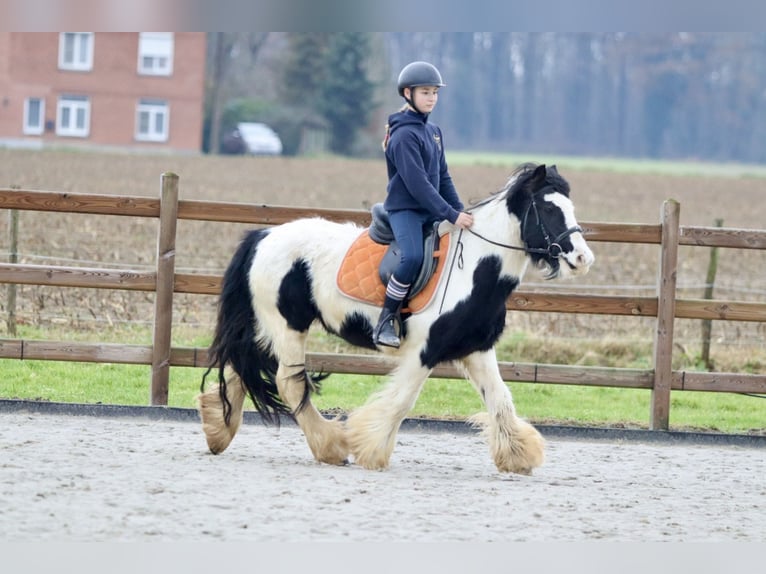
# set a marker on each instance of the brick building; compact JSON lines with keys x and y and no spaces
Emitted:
{"x":123,"y":90}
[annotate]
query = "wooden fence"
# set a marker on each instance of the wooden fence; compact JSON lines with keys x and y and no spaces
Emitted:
{"x":665,"y":307}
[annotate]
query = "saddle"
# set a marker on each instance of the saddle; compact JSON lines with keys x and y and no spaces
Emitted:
{"x":374,"y":255}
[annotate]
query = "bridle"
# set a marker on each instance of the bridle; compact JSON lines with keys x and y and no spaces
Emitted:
{"x":553,"y":249}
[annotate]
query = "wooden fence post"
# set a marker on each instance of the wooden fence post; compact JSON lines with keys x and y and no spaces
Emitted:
{"x":13,"y":257}
{"x":163,"y":303}
{"x":666,"y":310}
{"x":707,"y":324}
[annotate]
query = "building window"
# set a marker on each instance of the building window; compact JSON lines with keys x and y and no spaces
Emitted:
{"x":76,"y":51}
{"x":34,"y":112}
{"x":155,"y":53}
{"x":73,"y":116}
{"x":152,"y":120}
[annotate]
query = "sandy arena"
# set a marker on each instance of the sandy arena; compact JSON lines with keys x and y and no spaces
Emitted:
{"x":65,"y":477}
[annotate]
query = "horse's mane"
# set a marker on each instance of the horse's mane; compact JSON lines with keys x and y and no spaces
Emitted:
{"x":519,"y":179}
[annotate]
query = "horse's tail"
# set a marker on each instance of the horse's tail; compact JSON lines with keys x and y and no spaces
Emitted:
{"x":235,"y":344}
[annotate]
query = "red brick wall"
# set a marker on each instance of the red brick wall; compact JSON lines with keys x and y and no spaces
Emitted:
{"x":114,"y":87}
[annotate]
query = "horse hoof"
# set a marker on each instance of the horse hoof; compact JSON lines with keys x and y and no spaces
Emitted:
{"x":335,"y":461}
{"x":371,"y":463}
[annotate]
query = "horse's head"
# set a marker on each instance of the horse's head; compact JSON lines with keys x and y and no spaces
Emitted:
{"x":539,"y":197}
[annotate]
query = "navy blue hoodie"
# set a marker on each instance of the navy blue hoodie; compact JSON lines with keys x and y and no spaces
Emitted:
{"x":418,"y":177}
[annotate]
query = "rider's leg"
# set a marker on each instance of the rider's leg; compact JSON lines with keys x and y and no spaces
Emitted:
{"x":407,"y":226}
{"x":385,"y":331}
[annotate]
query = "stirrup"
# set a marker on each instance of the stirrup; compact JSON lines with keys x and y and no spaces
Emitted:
{"x":385,"y":332}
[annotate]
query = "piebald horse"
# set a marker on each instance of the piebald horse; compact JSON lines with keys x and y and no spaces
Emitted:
{"x":281,"y":281}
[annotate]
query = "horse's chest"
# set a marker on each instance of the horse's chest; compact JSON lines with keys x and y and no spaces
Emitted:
{"x":476,"y":321}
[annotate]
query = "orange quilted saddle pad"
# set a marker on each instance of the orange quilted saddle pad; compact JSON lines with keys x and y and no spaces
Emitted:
{"x":358,"y":274}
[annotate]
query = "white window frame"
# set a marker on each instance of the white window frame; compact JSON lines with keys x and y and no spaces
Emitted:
{"x":155,"y":53}
{"x":71,"y":107}
{"x":82,"y":44}
{"x":153,"y":109}
{"x":34,"y":129}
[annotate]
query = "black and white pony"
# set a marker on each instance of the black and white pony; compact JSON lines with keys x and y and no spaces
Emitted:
{"x":282,"y":281}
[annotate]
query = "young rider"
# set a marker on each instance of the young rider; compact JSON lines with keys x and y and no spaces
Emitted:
{"x":420,"y":189}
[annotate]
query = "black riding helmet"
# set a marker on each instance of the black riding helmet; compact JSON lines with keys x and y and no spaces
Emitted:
{"x":417,"y":74}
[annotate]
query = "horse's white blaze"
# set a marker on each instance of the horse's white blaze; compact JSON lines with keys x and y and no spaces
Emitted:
{"x":581,"y":257}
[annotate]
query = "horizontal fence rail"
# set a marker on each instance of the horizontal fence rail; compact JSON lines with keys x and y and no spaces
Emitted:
{"x":164,"y":282}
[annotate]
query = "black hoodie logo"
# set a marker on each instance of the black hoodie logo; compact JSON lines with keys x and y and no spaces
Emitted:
{"x":438,"y":141}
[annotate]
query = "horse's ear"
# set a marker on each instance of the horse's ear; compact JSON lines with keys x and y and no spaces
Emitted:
{"x":538,"y":176}
{"x":553,"y":169}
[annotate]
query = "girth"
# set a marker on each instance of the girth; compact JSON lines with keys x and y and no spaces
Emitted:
{"x":380,"y":232}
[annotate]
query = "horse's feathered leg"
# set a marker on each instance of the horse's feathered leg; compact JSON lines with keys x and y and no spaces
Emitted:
{"x":371,"y":429}
{"x":218,"y":431}
{"x":515,"y":445}
{"x":326,"y":438}
{"x":240,"y":365}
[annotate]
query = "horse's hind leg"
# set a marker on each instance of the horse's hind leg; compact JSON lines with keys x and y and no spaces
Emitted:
{"x":326,"y":438}
{"x":371,"y":429}
{"x":515,"y":445}
{"x":218,"y":433}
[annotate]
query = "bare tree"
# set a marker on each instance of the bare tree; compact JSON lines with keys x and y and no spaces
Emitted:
{"x":226,"y":45}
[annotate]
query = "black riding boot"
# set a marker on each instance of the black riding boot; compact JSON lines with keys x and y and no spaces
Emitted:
{"x":385,"y":331}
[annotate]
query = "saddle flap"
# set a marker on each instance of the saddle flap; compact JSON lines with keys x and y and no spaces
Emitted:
{"x":358,"y":276}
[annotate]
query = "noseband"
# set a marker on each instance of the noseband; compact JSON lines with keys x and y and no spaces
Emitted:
{"x":553,"y":249}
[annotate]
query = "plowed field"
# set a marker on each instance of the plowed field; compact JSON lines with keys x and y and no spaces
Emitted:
{"x":600,"y":196}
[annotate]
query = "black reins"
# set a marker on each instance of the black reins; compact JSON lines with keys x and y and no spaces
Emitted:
{"x":553,"y":249}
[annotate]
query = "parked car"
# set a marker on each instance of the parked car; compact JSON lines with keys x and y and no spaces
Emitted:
{"x":252,"y":138}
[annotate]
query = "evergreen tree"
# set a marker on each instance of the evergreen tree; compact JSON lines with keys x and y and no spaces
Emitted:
{"x":346,"y":93}
{"x":303,"y":69}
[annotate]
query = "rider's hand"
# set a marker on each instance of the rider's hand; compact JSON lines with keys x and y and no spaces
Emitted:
{"x":464,"y":220}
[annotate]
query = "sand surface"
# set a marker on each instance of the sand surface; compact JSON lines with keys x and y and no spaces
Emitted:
{"x":90,"y":478}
